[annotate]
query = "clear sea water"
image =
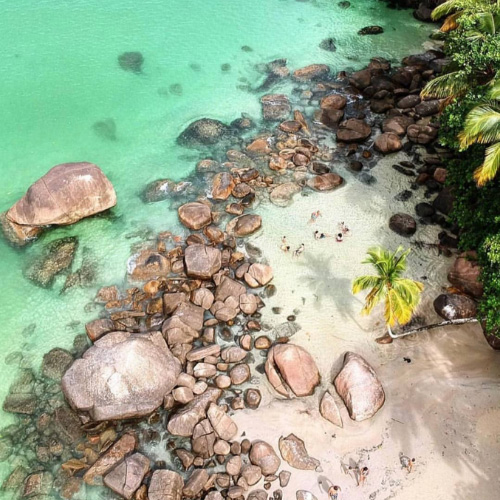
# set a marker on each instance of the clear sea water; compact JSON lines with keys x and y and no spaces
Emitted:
{"x":60,"y":75}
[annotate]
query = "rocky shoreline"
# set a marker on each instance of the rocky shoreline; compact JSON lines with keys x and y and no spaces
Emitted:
{"x":175,"y":352}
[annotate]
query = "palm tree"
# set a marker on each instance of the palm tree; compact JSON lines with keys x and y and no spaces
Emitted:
{"x":400,"y":295}
{"x":482,"y":126}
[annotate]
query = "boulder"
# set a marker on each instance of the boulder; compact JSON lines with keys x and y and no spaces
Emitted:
{"x":428,"y":108}
{"x":66,"y":194}
{"x":444,"y":201}
{"x":403,"y":224}
{"x":329,"y":410}
{"x":98,"y":327}
{"x":397,"y":124}
{"x":202,"y":261}
{"x":126,"y":477}
{"x":291,"y":370}
{"x":409,"y":101}
{"x":251,"y":474}
{"x":229,"y":288}
{"x":453,"y":306}
{"x":202,"y":297}
{"x":312,"y":72}
{"x":361,"y":79}
{"x":257,"y":495}
{"x":294,"y":452}
{"x":371,"y":30}
{"x":204,"y":132}
{"x":263,"y":455}
{"x":244,"y":225}
{"x":222,"y":423}
{"x":325,"y":182}
{"x":305,"y":495}
{"x":422,"y":134}
{"x":184,"y":420}
{"x":353,"y":130}
{"x":165,"y":485}
{"x":328,"y":44}
{"x":122,"y":375}
{"x":131,"y":61}
{"x":275,"y":107}
{"x":465,"y":274}
{"x":16,"y":234}
{"x":333,"y":101}
{"x":56,"y":257}
{"x":195,"y":215}
{"x":282,"y":195}
{"x":222,"y":185}
{"x":147,"y":265}
{"x":203,"y":440}
{"x":113,"y":456}
{"x":261,"y":273}
{"x":55,"y":363}
{"x":253,"y":398}
{"x":388,"y":143}
{"x":195,"y":484}
{"x":359,"y":387}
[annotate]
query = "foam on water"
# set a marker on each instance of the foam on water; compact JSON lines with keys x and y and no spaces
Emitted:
{"x":60,"y":76}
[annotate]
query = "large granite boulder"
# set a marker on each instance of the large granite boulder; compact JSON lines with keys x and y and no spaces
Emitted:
{"x":282,"y":195}
{"x":184,"y":420}
{"x":452,"y":306}
{"x":291,"y":370}
{"x":388,"y":143}
{"x":293,"y":451}
{"x":122,"y":375}
{"x":325,"y":182}
{"x":263,"y":455}
{"x":244,"y":225}
{"x":465,"y":274}
{"x":195,"y":215}
{"x":127,"y":476}
{"x":204,"y":132}
{"x":222,"y":185}
{"x":64,"y":195}
{"x":353,"y":130}
{"x":165,"y":485}
{"x":359,"y":387}
{"x":202,"y":261}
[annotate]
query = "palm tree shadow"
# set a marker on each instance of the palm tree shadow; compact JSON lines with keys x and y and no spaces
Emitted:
{"x":322,"y":281}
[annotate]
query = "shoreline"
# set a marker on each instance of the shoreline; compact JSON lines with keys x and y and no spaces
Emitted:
{"x":246,"y":418}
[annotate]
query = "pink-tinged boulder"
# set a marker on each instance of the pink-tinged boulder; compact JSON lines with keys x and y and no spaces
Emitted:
{"x":113,"y":456}
{"x":388,"y":143}
{"x":353,"y":130}
{"x":263,"y":455}
{"x":262,"y":273}
{"x":195,"y":215}
{"x":165,"y":485}
{"x":465,"y":274}
{"x":293,"y":451}
{"x":195,"y":484}
{"x":325,"y":182}
{"x":64,"y":195}
{"x":311,"y":73}
{"x":244,"y":225}
{"x":397,"y":124}
{"x":202,"y":261}
{"x":123,"y":375}
{"x":329,"y":410}
{"x":126,"y":477}
{"x":222,"y":186}
{"x":333,"y":101}
{"x":291,"y":370}
{"x":359,"y":387}
{"x":222,"y":423}
{"x":184,"y":420}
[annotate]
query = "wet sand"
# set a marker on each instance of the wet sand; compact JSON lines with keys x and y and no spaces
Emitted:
{"x":442,"y":408}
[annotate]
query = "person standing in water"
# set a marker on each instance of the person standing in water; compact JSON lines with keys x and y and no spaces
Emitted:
{"x":363,"y":473}
{"x":334,"y":492}
{"x":314,"y":216}
{"x":284,"y":245}
{"x":339,"y":238}
{"x":299,"y":250}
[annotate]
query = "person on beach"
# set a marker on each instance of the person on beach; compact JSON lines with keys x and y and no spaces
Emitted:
{"x":285,"y":247}
{"x":333,"y":492}
{"x":339,"y":238}
{"x":299,"y":250}
{"x":406,"y":462}
{"x":343,"y":228}
{"x":363,"y":473}
{"x":314,"y":216}
{"x":318,"y":235}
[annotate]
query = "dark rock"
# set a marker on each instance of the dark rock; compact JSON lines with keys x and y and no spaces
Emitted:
{"x":371,"y":30}
{"x":353,"y":130}
{"x":328,"y":44}
{"x":424,"y":210}
{"x":275,"y":107}
{"x":453,"y":306}
{"x":465,"y":274}
{"x":403,"y":224}
{"x":55,"y":363}
{"x":387,"y":143}
{"x":131,"y":61}
{"x":204,"y":132}
{"x":126,"y":477}
{"x":444,"y":201}
{"x":428,"y":108}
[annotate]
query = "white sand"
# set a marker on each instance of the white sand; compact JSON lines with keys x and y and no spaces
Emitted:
{"x":443,"y":408}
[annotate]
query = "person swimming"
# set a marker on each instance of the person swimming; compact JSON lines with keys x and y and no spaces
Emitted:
{"x":339,"y":238}
{"x":318,"y":235}
{"x":314,"y":216}
{"x":285,"y":247}
{"x":299,"y":250}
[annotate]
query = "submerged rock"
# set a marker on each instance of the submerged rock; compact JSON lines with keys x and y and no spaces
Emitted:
{"x":328,"y":44}
{"x":165,"y":485}
{"x":371,"y":30}
{"x":126,"y":477}
{"x":359,"y":387}
{"x":57,"y":257}
{"x":204,"y":132}
{"x":122,"y":375}
{"x":195,"y":215}
{"x":131,"y":61}
{"x":275,"y":107}
{"x":55,"y":363}
{"x":105,"y":129}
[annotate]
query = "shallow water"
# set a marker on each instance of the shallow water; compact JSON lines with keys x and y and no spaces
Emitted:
{"x":60,"y":76}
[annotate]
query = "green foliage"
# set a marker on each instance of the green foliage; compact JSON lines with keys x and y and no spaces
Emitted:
{"x":473,"y":47}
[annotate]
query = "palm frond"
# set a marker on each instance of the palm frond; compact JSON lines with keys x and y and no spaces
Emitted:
{"x":451,"y":84}
{"x":445,"y":9}
{"x":409,"y":289}
{"x":365,"y":282}
{"x":486,"y":22}
{"x":372,"y":299}
{"x":494,"y":92}
{"x":489,"y":169}
{"x":482,"y":125}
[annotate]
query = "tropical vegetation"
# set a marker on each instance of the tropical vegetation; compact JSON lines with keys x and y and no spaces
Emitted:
{"x":400,"y":295}
{"x":470,"y":127}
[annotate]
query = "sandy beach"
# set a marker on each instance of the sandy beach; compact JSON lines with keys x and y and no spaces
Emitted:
{"x":441,"y":408}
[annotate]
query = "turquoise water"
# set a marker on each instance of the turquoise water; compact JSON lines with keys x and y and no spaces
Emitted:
{"x":60,"y":75}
